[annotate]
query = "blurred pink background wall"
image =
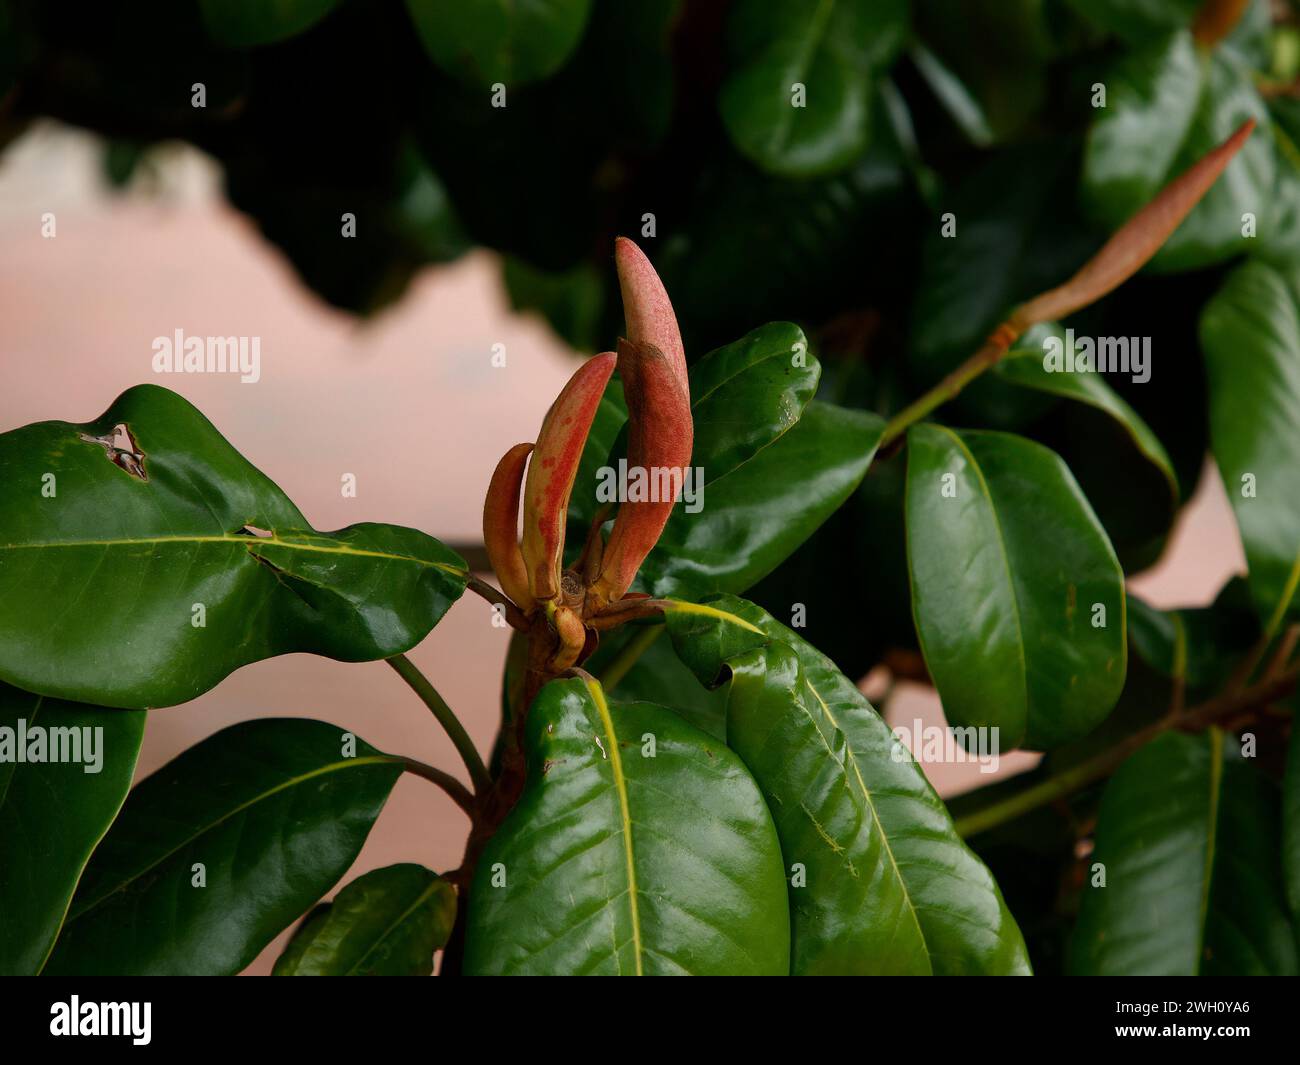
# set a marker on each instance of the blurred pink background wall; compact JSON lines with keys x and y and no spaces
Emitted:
{"x":409,"y":403}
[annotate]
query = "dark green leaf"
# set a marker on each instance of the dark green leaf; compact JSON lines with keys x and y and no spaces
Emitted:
{"x":867,"y":539}
{"x":242,"y":23}
{"x":1250,"y":333}
{"x":1025,"y":367}
{"x":388,"y":922}
{"x":755,"y":516}
{"x":619,"y":862}
{"x":889,"y":888}
{"x":797,"y":97}
{"x":1017,"y":594}
{"x":483,"y":42}
{"x":775,"y":465}
{"x":146,"y":588}
{"x":53,"y":813}
{"x":1167,"y":106}
{"x":271,"y":813}
{"x":1187,"y":835}
{"x":746,"y":395}
{"x":1099,"y":436}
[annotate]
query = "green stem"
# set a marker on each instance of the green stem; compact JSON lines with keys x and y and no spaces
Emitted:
{"x":994,"y":348}
{"x":460,"y":794}
{"x":1108,"y":761}
{"x":446,"y":718}
{"x":627,"y":658}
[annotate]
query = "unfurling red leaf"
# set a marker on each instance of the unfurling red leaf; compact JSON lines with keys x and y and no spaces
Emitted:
{"x":552,"y":469}
{"x":660,"y":438}
{"x":1133,"y":244}
{"x":649,"y":312}
{"x":501,"y":524}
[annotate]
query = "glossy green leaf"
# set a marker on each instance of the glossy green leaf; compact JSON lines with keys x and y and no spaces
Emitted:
{"x":772,"y":473}
{"x":1136,"y":509}
{"x":1187,"y":835}
{"x":54,"y":812}
{"x":796,"y":99}
{"x":146,"y":588}
{"x":756,"y":515}
{"x":1017,"y":594}
{"x":1025,"y":367}
{"x":867,"y":539}
{"x":483,"y":42}
{"x":745,"y":395}
{"x":242,"y":23}
{"x":888,"y":887}
{"x":221,"y":849}
{"x":640,"y":846}
{"x":1250,"y":333}
{"x":388,"y":922}
{"x":1167,"y":106}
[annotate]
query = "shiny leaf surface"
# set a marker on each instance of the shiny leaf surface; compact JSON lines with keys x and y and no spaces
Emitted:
{"x":1250,"y":333}
{"x":269,"y":814}
{"x":53,"y":811}
{"x":754,"y":517}
{"x":388,"y":922}
{"x":146,"y":588}
{"x":1017,"y":594}
{"x":616,"y":861}
{"x":889,"y":888}
{"x":1122,"y":467}
{"x":1187,"y":832}
{"x":1169,"y":106}
{"x":796,"y":99}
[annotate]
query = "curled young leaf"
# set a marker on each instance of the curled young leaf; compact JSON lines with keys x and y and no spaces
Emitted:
{"x":551,"y":472}
{"x":1132,"y":245}
{"x":649,"y":312}
{"x":501,"y":524}
{"x":660,"y":437}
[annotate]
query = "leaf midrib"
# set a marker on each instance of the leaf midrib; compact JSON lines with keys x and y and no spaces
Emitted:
{"x":1001,"y":541}
{"x":736,"y":619}
{"x":780,"y":136}
{"x":625,"y":813}
{"x":424,"y":896}
{"x":284,"y":785}
{"x":238,"y":541}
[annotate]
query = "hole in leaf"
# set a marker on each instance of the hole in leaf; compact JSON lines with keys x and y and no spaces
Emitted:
{"x":121,"y":450}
